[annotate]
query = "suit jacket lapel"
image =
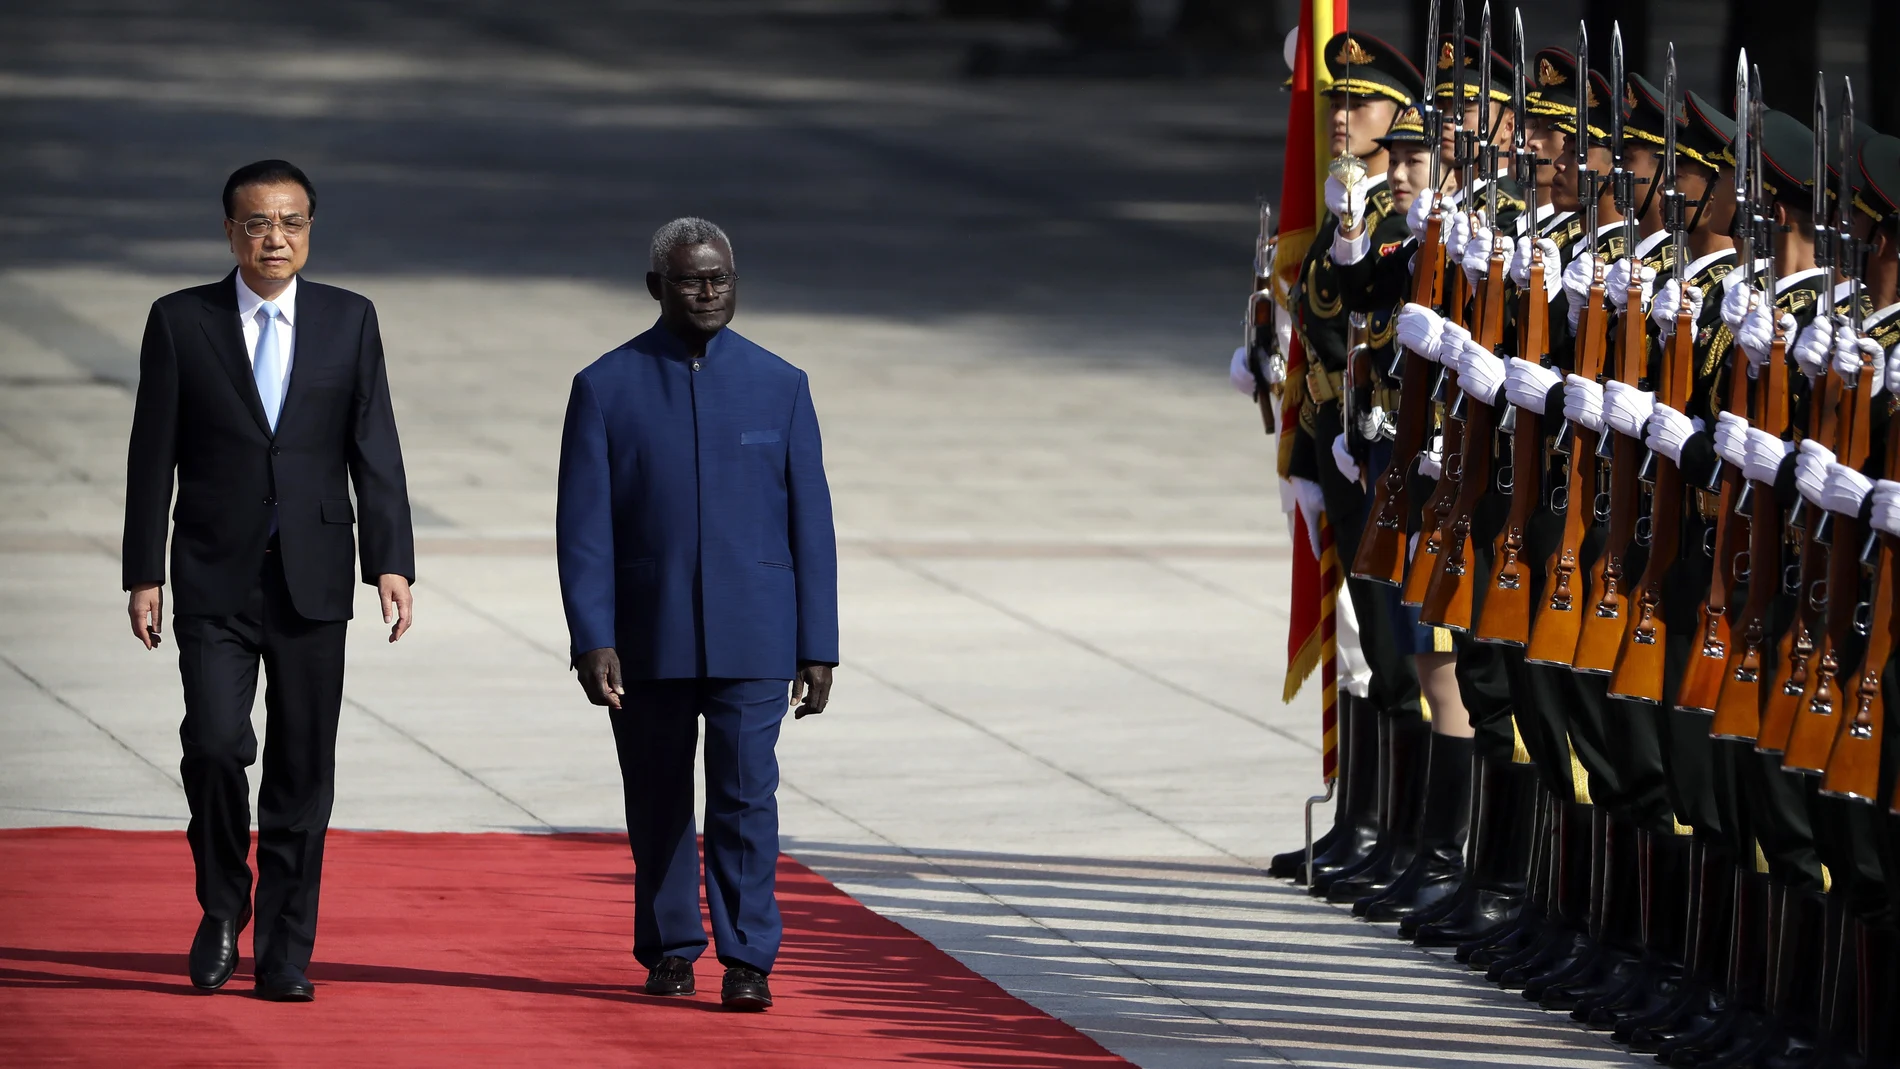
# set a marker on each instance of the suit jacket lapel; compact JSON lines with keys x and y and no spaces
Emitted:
{"x":316,"y":344}
{"x":227,"y":341}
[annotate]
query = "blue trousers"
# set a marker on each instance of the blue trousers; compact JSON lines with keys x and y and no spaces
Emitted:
{"x":656,"y":731}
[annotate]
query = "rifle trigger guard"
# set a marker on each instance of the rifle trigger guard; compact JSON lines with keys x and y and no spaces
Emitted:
{"x":1791,"y":578}
{"x":1560,"y":499}
{"x":1507,"y":477}
{"x":1863,"y":617}
{"x":1642,"y":530}
{"x":1740,"y":568}
{"x":1602,"y":506}
{"x":1708,"y":542}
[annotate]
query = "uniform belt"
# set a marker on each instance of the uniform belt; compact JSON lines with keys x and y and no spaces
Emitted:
{"x":1322,"y":385}
{"x":1386,"y":396}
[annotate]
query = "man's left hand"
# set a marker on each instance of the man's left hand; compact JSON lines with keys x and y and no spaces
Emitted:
{"x":811,"y":690}
{"x":398,"y":606}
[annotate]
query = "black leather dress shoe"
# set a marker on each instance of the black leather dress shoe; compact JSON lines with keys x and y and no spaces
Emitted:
{"x":214,"y":950}
{"x":285,"y":984}
{"x":744,"y":989}
{"x":672,"y":976}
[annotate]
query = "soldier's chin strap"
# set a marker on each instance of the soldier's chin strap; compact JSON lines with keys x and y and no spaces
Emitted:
{"x":1701,"y":203}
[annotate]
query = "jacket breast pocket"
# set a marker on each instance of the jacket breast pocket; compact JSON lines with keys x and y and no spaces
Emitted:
{"x":337,"y":510}
{"x":757,"y":437}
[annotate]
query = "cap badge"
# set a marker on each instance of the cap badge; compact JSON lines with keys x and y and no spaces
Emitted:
{"x":1352,"y":52}
{"x":1445,"y":57}
{"x":1548,"y":74}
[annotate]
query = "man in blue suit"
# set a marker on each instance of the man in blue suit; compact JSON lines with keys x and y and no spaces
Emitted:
{"x":699,"y":571}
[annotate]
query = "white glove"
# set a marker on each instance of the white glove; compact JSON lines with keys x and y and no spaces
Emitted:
{"x":1418,"y":329}
{"x":1893,"y":372}
{"x":1853,"y":352}
{"x":1737,"y":301}
{"x":1814,"y":346}
{"x":1844,"y":490}
{"x":1618,"y":282}
{"x":1342,"y":457}
{"x":1667,"y":304}
{"x":1457,"y":234}
{"x":1731,"y":439}
{"x":1668,"y":430}
{"x":1626,"y":408}
{"x":1527,"y":384}
{"x":1239,"y":374}
{"x":1420,"y":211}
{"x":1583,"y":403}
{"x":1578,"y":278}
{"x":1810,"y":470}
{"x":1477,"y":257}
{"x":1480,"y":373}
{"x":1451,"y":345}
{"x":1521,"y":266}
{"x":1342,"y":201}
{"x":1886,"y":513}
{"x":1431,"y":462}
{"x":1757,"y":333}
{"x":1763,"y":456}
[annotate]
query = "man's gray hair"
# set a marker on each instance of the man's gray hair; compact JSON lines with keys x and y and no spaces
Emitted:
{"x":686,"y":230}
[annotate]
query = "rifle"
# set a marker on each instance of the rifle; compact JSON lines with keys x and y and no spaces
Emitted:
{"x":1448,"y":597}
{"x":1799,"y":662}
{"x":1507,"y":604}
{"x":1559,"y":618}
{"x":1423,"y":566}
{"x":1381,"y":556}
{"x":1638,"y":673}
{"x":1260,"y":337}
{"x":1602,"y":632}
{"x":1853,"y":767}
{"x":1815,"y":730}
{"x":1738,"y":704}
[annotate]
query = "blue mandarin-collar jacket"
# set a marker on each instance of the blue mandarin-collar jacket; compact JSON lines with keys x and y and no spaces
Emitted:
{"x":694,"y":528}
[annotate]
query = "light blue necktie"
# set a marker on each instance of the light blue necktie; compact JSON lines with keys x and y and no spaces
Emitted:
{"x":267,"y":370}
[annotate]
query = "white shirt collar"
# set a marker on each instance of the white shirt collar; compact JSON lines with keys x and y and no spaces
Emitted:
{"x":1735,"y":276}
{"x":1797,"y":278}
{"x":1882,"y":316}
{"x":286,"y":301}
{"x":1605,"y":228}
{"x":1842,"y":291}
{"x":1695,"y":268}
{"x":1648,"y":244}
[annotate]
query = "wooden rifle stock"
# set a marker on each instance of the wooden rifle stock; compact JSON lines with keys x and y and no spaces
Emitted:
{"x":1507,"y":601}
{"x":1559,"y":618}
{"x":1448,"y":599}
{"x":1418,"y":574}
{"x":1853,"y":768}
{"x":1815,"y":729}
{"x":1381,"y":556}
{"x":1738,"y":704}
{"x":1602,"y":633}
{"x":1702,"y":678}
{"x":1797,"y":651}
{"x":1638,"y":674}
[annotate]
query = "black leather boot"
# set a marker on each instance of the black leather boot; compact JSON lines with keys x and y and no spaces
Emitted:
{"x":1802,"y":997}
{"x":1712,"y":930}
{"x":1668,"y":903}
{"x":1410,"y":744}
{"x":1534,"y":916}
{"x":1585,"y":950}
{"x":1617,"y":931}
{"x":1438,"y":866}
{"x":1564,"y":936}
{"x":1354,"y":816}
{"x":1743,"y":1022}
{"x":1500,"y":865}
{"x":1361,"y":805}
{"x":1877,"y":954}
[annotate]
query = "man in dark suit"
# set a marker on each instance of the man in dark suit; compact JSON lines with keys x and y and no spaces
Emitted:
{"x":699,"y":572}
{"x":265,"y":395}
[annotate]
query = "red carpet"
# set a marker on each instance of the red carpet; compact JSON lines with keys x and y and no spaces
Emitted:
{"x":469,"y":950}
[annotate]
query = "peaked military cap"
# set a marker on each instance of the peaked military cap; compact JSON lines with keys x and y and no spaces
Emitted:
{"x":1709,"y":136}
{"x":1597,"y":104}
{"x":1502,"y":72}
{"x":1408,"y":127}
{"x":1643,"y":113}
{"x":1551,"y":83}
{"x":1787,"y":153}
{"x":1363,"y":65}
{"x":1879,"y":193}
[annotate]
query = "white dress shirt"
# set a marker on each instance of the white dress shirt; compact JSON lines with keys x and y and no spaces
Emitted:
{"x":251,"y":323}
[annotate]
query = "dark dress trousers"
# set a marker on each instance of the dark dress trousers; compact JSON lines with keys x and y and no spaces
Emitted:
{"x":694,"y":536}
{"x":261,"y":570}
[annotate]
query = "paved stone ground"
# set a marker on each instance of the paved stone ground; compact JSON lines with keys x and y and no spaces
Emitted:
{"x":1056,"y":747}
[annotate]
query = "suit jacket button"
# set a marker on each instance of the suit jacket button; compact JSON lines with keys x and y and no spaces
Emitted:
{"x":276,"y":452}
{"x":270,"y":501}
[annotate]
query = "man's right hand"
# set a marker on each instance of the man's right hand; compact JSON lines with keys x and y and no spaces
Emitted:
{"x":600,"y":676}
{"x":146,"y":606}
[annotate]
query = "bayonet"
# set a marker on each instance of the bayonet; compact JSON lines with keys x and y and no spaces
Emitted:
{"x":1428,"y":108}
{"x":1743,"y":229}
{"x":1485,"y":139}
{"x":1849,"y":258}
{"x":1674,"y":215}
{"x":1461,"y":141}
{"x":1764,"y":223}
{"x":1817,"y":211}
{"x":1522,"y":158}
{"x":1586,"y":178}
{"x":1622,"y":180}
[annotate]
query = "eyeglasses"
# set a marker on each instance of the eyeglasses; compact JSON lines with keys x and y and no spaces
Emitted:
{"x":291,"y":226}
{"x":696,"y":285}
